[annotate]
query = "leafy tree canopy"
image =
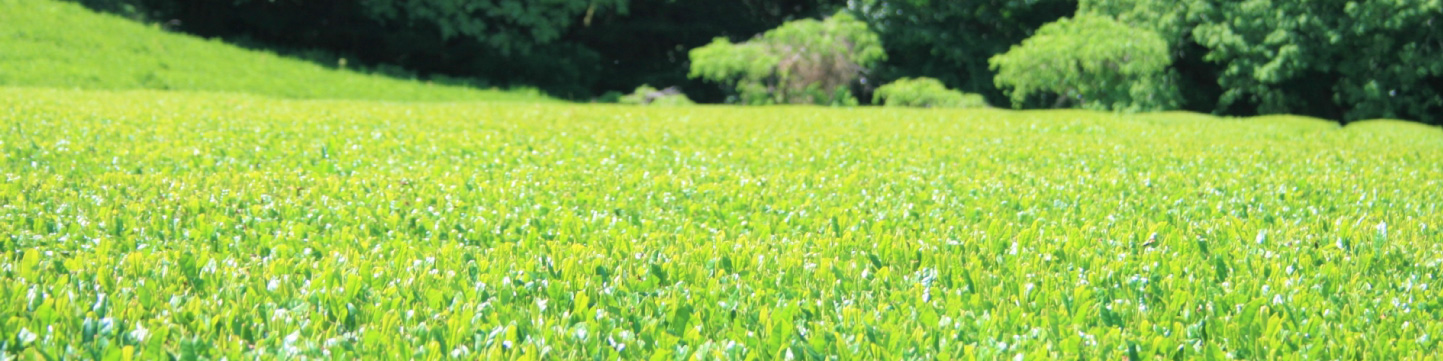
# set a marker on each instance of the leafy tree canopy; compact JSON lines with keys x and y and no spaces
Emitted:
{"x":1338,"y":59}
{"x":1331,"y":58}
{"x":507,"y":25}
{"x":1092,"y":61}
{"x":570,"y":48}
{"x":803,"y":61}
{"x":951,"y":40}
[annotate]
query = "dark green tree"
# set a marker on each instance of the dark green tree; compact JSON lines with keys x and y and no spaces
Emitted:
{"x":1336,"y":59}
{"x":1194,"y":78}
{"x":570,"y":48}
{"x":650,"y":44}
{"x":505,"y":25}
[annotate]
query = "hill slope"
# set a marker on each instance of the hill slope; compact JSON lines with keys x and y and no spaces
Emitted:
{"x":46,"y":43}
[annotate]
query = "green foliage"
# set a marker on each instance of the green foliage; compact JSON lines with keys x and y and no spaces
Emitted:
{"x":171,"y":225}
{"x":801,"y":62}
{"x":951,"y":40}
{"x":1340,"y":59}
{"x":610,"y":97}
{"x":749,"y":67}
{"x":43,"y":48}
{"x":649,"y":45}
{"x":647,"y":95}
{"x":573,"y":49}
{"x":1194,"y":78}
{"x":1167,"y":18}
{"x":1092,"y":61}
{"x":504,"y":25}
{"x":924,"y":93}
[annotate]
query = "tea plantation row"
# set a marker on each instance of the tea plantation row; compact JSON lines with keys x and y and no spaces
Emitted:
{"x":152,"y":225}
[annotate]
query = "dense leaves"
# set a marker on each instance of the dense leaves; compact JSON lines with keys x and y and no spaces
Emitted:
{"x":1338,"y":59}
{"x":1347,"y":60}
{"x":801,"y":62}
{"x":160,"y":225}
{"x":650,"y":44}
{"x":571,"y":49}
{"x":952,"y":40}
{"x":924,"y":93}
{"x":503,"y":25}
{"x":1092,"y":61}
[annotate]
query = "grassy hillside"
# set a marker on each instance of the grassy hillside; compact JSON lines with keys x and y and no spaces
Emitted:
{"x":45,"y":43}
{"x":155,"y":224}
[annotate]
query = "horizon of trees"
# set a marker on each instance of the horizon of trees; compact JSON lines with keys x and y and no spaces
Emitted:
{"x":1335,"y":59}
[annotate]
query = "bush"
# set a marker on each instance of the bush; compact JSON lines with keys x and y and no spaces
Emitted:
{"x":610,"y":96}
{"x":1089,"y":61}
{"x":646,"y":95}
{"x":800,"y":62}
{"x":924,"y":93}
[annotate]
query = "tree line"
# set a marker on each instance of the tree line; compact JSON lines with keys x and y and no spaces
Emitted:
{"x":1335,"y":59}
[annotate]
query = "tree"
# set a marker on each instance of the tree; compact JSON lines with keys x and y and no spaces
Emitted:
{"x":1091,"y":61}
{"x":649,"y":44}
{"x":570,"y":48}
{"x":803,"y":61}
{"x":1167,"y":18}
{"x":508,"y":26}
{"x":1194,"y":78}
{"x":1337,"y":59}
{"x":950,"y":40}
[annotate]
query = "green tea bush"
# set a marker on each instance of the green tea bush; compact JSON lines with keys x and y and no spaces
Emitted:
{"x":167,"y":225}
{"x":924,"y":93}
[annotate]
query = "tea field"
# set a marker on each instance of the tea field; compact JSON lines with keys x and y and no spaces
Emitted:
{"x":151,"y":225}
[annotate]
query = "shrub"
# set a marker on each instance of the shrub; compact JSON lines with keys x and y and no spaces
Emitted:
{"x":800,"y":62}
{"x":610,"y":96}
{"x":924,"y":93}
{"x":646,"y":95}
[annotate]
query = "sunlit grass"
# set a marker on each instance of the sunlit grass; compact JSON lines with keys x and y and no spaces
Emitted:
{"x":161,"y":225}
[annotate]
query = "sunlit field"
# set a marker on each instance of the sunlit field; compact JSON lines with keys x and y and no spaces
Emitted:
{"x":154,"y":225}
